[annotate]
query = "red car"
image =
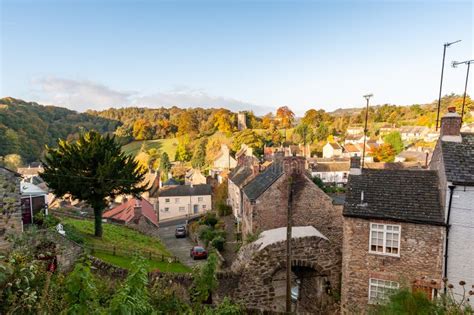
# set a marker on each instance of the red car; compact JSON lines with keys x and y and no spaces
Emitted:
{"x":198,"y":252}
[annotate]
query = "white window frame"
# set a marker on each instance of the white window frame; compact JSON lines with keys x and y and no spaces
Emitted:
{"x":167,"y":200}
{"x":200,"y":199}
{"x":182,"y":209}
{"x":166,"y":209}
{"x":382,"y":288}
{"x":384,"y":231}
{"x":204,"y":207}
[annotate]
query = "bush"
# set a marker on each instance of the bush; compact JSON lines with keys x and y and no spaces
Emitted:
{"x":223,"y":209}
{"x":45,"y":221}
{"x":73,"y":234}
{"x":210,"y":219}
{"x":218,"y":243}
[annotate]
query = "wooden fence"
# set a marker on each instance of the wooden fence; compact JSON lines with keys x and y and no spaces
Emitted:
{"x":127,"y":252}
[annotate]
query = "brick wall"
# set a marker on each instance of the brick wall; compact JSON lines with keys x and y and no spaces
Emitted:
{"x":10,"y":209}
{"x":421,"y":255}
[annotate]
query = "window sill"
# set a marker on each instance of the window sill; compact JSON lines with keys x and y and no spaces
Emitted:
{"x":385,"y":254}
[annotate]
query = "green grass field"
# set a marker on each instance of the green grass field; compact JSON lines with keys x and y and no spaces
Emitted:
{"x":126,"y":241}
{"x":163,"y":145}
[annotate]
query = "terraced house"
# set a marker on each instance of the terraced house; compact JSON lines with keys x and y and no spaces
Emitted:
{"x":393,"y":235}
{"x":453,"y":159}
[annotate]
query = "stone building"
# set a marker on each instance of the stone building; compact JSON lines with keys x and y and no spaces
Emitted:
{"x":266,"y":199}
{"x":241,"y":121}
{"x":10,"y":209}
{"x":393,"y":235}
{"x":453,"y":158}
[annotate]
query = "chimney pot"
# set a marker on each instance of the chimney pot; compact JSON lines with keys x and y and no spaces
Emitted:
{"x":452,"y":109}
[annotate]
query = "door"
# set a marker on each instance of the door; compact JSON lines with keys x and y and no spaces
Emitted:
{"x":26,"y":211}
{"x":196,"y":209}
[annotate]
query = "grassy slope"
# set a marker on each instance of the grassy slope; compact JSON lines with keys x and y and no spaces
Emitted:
{"x":164,"y":145}
{"x":124,"y":238}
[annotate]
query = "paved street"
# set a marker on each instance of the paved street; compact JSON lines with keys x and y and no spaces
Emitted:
{"x":177,"y":246}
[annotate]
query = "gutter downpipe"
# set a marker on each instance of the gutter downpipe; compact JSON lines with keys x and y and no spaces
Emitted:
{"x":451,"y":192}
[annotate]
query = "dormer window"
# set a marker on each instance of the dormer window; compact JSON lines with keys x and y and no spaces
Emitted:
{"x":384,"y":239}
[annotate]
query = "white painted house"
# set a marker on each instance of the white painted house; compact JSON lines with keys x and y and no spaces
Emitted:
{"x":332,"y":149}
{"x":183,"y":200}
{"x":335,"y":173}
{"x":453,"y":158}
{"x":224,"y":160}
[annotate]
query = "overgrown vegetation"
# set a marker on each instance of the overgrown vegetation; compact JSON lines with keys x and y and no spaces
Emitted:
{"x":26,"y":287}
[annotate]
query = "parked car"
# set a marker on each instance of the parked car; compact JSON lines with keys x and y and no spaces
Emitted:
{"x":180,"y":232}
{"x":198,"y":252}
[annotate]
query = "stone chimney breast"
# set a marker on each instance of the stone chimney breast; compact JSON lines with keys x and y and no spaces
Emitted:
{"x":451,"y":126}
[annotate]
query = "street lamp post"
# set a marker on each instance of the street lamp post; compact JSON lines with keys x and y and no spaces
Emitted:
{"x":367,"y":97}
{"x":468,"y":63}
{"x":441,"y":81}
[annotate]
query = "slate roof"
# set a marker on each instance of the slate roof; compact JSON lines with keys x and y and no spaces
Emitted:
{"x":335,"y":145}
{"x":240,"y":174}
{"x":398,"y":195}
{"x":171,"y":182}
{"x":458,"y":159}
{"x":185,"y":190}
{"x":263,"y":181}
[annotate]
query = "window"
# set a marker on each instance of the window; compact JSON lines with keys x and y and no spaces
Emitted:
{"x":380,"y":290}
{"x":200,"y":199}
{"x":203,"y":207}
{"x":166,"y":209}
{"x":384,"y":239}
{"x":176,"y":200}
{"x":182,"y":209}
{"x":167,"y":200}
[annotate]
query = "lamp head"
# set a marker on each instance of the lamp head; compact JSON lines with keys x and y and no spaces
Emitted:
{"x":454,"y":64}
{"x":368,"y":96}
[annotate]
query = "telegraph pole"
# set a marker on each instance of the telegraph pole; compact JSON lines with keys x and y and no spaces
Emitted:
{"x":288,"y":245}
{"x":468,"y":63}
{"x":441,"y":81}
{"x":367,"y":97}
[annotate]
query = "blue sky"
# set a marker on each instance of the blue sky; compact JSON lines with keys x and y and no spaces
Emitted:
{"x":238,"y":54}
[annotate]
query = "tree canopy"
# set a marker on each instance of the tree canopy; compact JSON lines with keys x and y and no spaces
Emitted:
{"x":92,"y":169}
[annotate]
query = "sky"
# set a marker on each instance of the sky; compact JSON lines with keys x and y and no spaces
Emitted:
{"x":253,"y":55}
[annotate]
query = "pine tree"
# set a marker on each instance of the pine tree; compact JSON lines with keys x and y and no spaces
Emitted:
{"x":92,"y":169}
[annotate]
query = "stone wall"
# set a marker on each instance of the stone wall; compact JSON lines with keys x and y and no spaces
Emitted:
{"x":10,"y":209}
{"x":259,"y":286}
{"x":311,"y":206}
{"x":421,"y":257}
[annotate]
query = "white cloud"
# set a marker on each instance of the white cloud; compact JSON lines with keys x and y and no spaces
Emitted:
{"x":83,"y":95}
{"x":79,"y":95}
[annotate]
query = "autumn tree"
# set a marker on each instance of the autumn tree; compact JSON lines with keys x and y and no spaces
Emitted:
{"x":223,"y":120}
{"x":285,"y":116}
{"x":304,"y":133}
{"x":187,"y":123}
{"x":93,"y":169}
{"x":272,"y":136}
{"x":395,"y":140}
{"x":199,"y":154}
{"x":142,"y":130}
{"x":182,"y":152}
{"x":250,"y":138}
{"x":267,"y":120}
{"x":384,"y":153}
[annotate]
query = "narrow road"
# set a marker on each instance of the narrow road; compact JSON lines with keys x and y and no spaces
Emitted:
{"x":179,"y":247}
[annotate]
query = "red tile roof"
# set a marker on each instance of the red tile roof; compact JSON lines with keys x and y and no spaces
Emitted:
{"x":125,"y":212}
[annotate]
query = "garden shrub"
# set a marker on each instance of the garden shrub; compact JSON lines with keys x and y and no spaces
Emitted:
{"x":223,"y":209}
{"x":73,"y":234}
{"x":218,"y":243}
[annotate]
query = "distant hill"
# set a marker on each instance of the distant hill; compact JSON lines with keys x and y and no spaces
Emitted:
{"x":26,"y":127}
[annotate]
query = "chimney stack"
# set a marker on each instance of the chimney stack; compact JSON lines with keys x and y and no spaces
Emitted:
{"x":355,"y":166}
{"x":137,"y":209}
{"x":451,"y":126}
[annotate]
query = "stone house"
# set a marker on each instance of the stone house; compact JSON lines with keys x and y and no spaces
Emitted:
{"x":453,"y":158}
{"x":266,"y":197}
{"x":241,"y":121}
{"x":194,"y":177}
{"x":224,"y":160}
{"x":413,"y":133}
{"x":393,"y":235}
{"x":10,"y":214}
{"x":247,"y":168}
{"x":332,"y":149}
{"x":354,"y":130}
{"x":354,"y":139}
{"x":184,"y":200}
